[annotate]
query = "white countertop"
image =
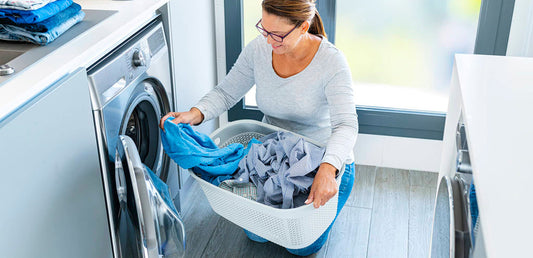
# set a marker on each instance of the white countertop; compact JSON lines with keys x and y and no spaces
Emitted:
{"x":81,"y":51}
{"x":497,"y":96}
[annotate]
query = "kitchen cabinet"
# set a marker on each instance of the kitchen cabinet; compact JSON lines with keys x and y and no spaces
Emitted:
{"x":51,"y":189}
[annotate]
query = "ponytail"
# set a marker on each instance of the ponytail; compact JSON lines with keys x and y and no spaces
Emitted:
{"x":317,"y":26}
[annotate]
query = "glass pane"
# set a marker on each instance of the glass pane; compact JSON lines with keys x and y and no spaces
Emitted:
{"x":251,"y":14}
{"x":401,"y":51}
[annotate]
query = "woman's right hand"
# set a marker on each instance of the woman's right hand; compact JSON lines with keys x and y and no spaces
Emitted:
{"x":192,"y":117}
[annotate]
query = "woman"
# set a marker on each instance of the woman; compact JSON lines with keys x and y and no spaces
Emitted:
{"x":303,"y":84}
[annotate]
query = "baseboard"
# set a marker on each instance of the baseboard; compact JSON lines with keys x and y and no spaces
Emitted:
{"x":398,"y":152}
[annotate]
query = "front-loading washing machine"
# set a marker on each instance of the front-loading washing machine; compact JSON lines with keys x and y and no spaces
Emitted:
{"x":130,"y":90}
{"x":456,"y":229}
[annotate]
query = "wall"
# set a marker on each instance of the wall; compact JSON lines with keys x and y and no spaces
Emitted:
{"x":192,"y":29}
{"x":193,"y":42}
{"x":521,"y":34}
{"x":398,"y":152}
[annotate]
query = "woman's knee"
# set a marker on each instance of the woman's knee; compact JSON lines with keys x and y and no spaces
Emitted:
{"x":254,"y":237}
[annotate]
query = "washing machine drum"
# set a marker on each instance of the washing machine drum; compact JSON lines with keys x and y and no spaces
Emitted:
{"x":142,"y":127}
{"x":140,"y":122}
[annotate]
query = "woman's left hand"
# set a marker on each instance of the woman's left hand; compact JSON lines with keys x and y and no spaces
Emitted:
{"x":324,"y":185}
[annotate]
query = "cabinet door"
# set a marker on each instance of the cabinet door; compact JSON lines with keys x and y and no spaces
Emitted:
{"x":51,"y":188}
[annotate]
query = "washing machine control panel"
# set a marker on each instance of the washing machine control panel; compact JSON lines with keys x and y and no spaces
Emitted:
{"x":126,"y":64}
{"x":138,"y":58}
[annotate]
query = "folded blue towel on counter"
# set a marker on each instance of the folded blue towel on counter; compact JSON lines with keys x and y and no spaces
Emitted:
{"x":53,"y":21}
{"x":11,"y":16}
{"x":191,"y":149}
{"x":15,"y":33}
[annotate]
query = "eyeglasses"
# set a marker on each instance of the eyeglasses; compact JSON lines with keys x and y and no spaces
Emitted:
{"x":275,"y":37}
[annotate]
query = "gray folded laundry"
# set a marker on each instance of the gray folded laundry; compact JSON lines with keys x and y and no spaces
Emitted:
{"x":23,"y":4}
{"x":282,"y":168}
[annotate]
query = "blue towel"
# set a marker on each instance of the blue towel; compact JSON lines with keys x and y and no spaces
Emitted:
{"x":15,"y":33}
{"x":12,"y":16}
{"x":474,"y":211}
{"x":162,"y":188}
{"x":191,"y":149}
{"x":54,"y":21}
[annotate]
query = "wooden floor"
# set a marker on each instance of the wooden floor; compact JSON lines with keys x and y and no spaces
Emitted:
{"x":388,"y":214}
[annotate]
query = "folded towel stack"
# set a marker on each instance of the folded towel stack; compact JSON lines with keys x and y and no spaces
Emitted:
{"x":37,"y":21}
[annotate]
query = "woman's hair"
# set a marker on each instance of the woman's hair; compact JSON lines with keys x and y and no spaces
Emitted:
{"x":297,"y":11}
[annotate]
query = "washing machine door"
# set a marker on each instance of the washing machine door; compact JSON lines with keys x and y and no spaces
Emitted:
{"x":151,"y":228}
{"x":451,"y":235}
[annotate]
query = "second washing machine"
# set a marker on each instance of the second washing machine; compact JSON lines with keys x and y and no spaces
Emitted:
{"x":456,"y":227}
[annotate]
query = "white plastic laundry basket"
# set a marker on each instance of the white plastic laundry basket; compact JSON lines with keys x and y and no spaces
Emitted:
{"x":290,"y":228}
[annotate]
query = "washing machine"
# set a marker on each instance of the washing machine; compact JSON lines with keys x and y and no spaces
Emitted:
{"x":456,"y":228}
{"x":130,"y":90}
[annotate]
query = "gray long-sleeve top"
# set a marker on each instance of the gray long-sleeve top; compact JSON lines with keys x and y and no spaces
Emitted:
{"x":317,"y":102}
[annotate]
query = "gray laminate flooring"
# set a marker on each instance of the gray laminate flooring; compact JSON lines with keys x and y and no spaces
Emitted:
{"x":389,"y":214}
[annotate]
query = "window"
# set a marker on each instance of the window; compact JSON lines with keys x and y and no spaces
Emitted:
{"x":251,"y":14}
{"x":401,"y":52}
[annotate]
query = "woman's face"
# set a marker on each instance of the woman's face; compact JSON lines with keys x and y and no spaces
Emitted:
{"x":281,"y":26}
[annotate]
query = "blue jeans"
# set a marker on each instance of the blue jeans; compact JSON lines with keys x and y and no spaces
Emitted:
{"x":344,"y":192}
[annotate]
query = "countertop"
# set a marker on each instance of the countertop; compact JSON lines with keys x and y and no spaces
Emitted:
{"x":92,"y":43}
{"x":497,"y":96}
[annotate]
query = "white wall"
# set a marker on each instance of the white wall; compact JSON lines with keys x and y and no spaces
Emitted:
{"x":192,"y":29}
{"x":521,"y":34}
{"x":220,"y":42}
{"x":398,"y":152}
{"x":192,"y":26}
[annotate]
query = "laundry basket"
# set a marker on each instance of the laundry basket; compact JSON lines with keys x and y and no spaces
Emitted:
{"x":291,"y":228}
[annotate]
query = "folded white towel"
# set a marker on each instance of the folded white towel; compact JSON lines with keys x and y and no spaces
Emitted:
{"x":23,"y":4}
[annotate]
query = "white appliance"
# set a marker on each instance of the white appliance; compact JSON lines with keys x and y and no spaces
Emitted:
{"x":131,"y":89}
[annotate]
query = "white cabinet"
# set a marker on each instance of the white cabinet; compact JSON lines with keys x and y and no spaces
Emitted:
{"x":493,"y":96}
{"x":51,"y":188}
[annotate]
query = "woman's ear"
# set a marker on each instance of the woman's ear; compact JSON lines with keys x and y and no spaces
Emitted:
{"x":304,"y":27}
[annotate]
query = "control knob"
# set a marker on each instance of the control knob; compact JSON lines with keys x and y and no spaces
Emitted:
{"x":138,"y":58}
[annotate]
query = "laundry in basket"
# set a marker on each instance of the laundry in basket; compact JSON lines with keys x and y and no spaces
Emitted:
{"x":281,"y":165}
{"x":282,"y":168}
{"x":291,"y":228}
{"x":194,"y":150}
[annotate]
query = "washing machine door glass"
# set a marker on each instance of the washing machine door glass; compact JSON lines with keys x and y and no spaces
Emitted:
{"x":130,"y":236}
{"x":162,"y":232}
{"x":451,"y":235}
{"x":442,"y":240}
